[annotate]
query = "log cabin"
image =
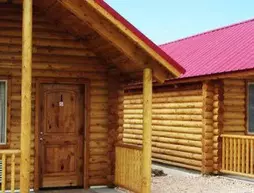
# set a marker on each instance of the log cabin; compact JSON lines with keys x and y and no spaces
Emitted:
{"x":204,"y":119}
{"x":63,"y":67}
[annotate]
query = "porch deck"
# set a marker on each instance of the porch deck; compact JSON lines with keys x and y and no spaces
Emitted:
{"x":97,"y":190}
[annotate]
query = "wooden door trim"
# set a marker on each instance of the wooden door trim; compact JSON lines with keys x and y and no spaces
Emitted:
{"x":74,"y":81}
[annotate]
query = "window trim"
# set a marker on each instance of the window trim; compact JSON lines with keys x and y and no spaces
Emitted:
{"x":247,"y":107}
{"x":6,"y":111}
{"x":7,"y":78}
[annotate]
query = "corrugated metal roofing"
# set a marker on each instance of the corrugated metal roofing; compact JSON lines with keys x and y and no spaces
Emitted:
{"x":226,"y":49}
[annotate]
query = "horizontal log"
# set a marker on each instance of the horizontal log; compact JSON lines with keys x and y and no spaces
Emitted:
{"x":98,"y":181}
{"x":166,"y":117}
{"x":228,"y":108}
{"x":234,"y":89}
{"x":192,"y":111}
{"x":233,"y":115}
{"x":234,"y":128}
{"x":186,"y":142}
{"x":167,"y":105}
{"x":165,"y":146}
{"x":165,"y":94}
{"x":180,"y":154}
{"x":43,"y":42}
{"x":37,"y":33}
{"x":231,"y":122}
{"x":176,"y":164}
{"x":167,"y":100}
{"x":168,"y":123}
{"x":228,"y":82}
{"x":98,"y":136}
{"x":159,"y":135}
{"x":229,"y":96}
{"x":234,"y":102}
{"x":179,"y":136}
{"x":193,"y":130}
{"x":99,"y":151}
{"x":177,"y":159}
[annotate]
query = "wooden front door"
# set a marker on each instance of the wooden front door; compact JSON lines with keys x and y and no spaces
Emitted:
{"x":61,"y":135}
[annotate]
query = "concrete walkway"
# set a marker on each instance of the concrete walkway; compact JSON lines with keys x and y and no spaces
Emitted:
{"x":94,"y":190}
{"x":187,"y":181}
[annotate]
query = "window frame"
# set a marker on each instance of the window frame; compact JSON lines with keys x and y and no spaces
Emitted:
{"x":247,"y":108}
{"x":6,"y":111}
{"x":8,"y":80}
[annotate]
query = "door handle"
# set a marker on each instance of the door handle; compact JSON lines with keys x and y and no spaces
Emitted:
{"x":41,"y":139}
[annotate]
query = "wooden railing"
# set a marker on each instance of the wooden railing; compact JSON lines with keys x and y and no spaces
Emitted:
{"x":8,"y":158}
{"x":238,"y":155}
{"x":128,"y":167}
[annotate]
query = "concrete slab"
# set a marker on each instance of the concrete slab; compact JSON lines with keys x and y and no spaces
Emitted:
{"x":94,"y":190}
{"x":105,"y":190}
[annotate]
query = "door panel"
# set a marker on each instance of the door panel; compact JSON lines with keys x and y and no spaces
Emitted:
{"x":61,"y":135}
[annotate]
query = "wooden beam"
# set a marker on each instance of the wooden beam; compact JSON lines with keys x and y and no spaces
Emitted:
{"x":26,"y":97}
{"x":147,"y":131}
{"x":83,"y":10}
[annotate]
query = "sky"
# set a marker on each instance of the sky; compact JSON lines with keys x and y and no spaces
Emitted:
{"x":168,"y":20}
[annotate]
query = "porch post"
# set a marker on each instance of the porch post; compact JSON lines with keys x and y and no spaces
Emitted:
{"x":147,"y":131}
{"x":26,"y":97}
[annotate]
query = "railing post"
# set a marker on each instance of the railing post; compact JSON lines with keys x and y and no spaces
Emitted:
{"x":26,"y":96}
{"x":13,"y":173}
{"x":147,"y":131}
{"x":3,"y":183}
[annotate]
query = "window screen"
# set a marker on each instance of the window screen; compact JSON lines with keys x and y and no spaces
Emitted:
{"x":3,"y":110}
{"x":251,"y":108}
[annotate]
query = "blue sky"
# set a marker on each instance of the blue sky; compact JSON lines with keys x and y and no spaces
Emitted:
{"x":168,"y":20}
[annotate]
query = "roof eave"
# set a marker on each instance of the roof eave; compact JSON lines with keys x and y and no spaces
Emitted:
{"x":135,"y":35}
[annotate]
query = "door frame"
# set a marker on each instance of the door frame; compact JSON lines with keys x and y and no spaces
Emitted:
{"x":71,"y":81}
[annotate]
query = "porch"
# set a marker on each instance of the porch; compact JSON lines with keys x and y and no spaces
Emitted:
{"x":238,"y":155}
{"x":74,"y":69}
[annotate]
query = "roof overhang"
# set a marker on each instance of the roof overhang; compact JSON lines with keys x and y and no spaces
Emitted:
{"x":110,"y":25}
{"x":135,"y":35}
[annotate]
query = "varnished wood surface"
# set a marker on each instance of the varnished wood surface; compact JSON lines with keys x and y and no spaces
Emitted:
{"x":128,"y":168}
{"x":61,"y":135}
{"x":207,"y":130}
{"x":234,"y":115}
{"x":176,"y":124}
{"x":237,"y":155}
{"x":26,"y":96}
{"x":56,"y":54}
{"x":146,"y":161}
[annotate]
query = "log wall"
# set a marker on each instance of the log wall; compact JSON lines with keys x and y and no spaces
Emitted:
{"x":207,"y":131}
{"x":234,"y":107}
{"x":56,"y":54}
{"x":212,"y":126}
{"x":217,"y":125}
{"x":177,"y":124}
{"x":187,"y":123}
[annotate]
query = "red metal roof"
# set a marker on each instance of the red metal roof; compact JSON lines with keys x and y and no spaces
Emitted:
{"x":140,"y":35}
{"x":227,"y":49}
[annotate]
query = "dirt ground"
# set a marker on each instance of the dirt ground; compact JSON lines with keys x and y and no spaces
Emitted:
{"x":184,"y":181}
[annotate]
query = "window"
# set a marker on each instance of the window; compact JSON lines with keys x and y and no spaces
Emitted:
{"x":3,"y":111}
{"x":250,"y":108}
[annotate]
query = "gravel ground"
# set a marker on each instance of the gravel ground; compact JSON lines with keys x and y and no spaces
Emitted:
{"x":179,"y":181}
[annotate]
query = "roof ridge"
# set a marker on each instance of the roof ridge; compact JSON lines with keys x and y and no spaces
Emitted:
{"x":209,"y":31}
